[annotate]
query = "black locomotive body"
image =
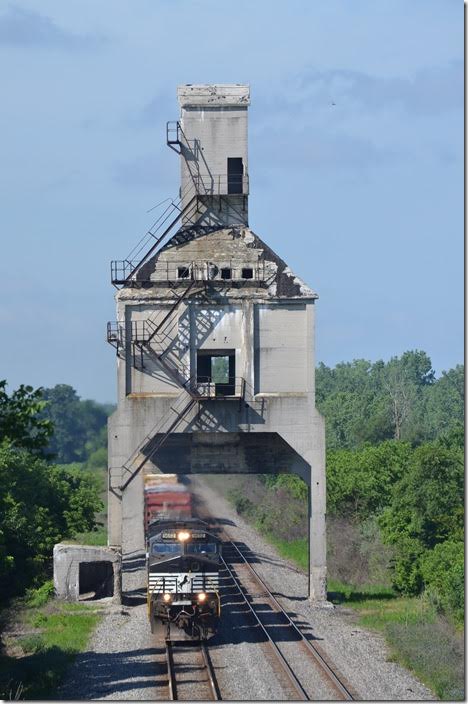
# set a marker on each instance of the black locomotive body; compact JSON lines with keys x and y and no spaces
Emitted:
{"x":184,"y":561}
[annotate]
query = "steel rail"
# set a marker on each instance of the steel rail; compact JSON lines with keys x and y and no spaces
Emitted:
{"x":207,"y":664}
{"x":172,"y":685}
{"x":215,"y":693}
{"x":337,"y":683}
{"x":284,"y":663}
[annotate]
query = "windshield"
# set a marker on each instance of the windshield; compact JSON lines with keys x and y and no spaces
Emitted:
{"x":199,"y":548}
{"x":165,"y":548}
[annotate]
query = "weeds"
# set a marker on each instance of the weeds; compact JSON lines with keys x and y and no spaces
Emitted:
{"x":432,"y":652}
{"x":38,"y":597}
{"x":63,"y":631}
{"x":94,"y":537}
{"x":419,"y":638}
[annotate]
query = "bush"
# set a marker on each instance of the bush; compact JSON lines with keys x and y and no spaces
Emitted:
{"x":426,"y":510}
{"x":443,"y":574}
{"x":41,"y":595}
{"x":241,"y":503}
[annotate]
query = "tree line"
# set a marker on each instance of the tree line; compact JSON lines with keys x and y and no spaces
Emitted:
{"x":365,"y":402}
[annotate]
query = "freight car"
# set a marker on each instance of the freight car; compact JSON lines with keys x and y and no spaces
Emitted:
{"x":165,"y":498}
{"x":183,"y":562}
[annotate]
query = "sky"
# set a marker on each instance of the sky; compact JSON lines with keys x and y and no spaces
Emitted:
{"x":355,"y":161}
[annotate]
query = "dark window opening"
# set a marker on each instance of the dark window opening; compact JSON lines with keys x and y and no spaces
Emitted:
{"x":226,"y":273}
{"x":183,"y":272}
{"x":247,"y":273}
{"x":217,"y":370}
{"x":235,"y":173}
{"x":96,"y":580}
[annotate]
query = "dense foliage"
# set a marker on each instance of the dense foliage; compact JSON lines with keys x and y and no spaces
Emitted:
{"x":40,"y":503}
{"x":21,"y":423}
{"x":80,"y":427}
{"x":400,"y":399}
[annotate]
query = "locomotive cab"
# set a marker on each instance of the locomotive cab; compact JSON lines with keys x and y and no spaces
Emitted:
{"x":184,"y":560}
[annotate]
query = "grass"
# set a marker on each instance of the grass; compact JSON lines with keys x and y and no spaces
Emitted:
{"x":294,"y":550}
{"x":32,"y":666}
{"x":92,"y":537}
{"x":419,"y":637}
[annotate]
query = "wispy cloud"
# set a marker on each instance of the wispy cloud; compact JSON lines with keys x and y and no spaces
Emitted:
{"x":20,"y":27}
{"x":430,"y":91}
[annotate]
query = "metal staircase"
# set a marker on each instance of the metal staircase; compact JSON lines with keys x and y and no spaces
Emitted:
{"x":125,"y":271}
{"x":153,"y":336}
{"x":161,"y":432}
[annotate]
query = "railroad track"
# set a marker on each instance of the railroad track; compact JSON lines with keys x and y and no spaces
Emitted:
{"x":183,"y":660}
{"x":257,"y":586}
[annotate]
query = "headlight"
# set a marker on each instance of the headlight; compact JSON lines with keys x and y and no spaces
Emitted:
{"x":183,"y":535}
{"x":167,"y":598}
{"x":202,"y":597}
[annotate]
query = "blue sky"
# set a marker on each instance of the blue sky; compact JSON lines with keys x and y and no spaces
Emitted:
{"x":355,"y":157}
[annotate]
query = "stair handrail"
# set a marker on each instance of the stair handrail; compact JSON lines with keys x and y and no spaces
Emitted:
{"x":191,"y":205}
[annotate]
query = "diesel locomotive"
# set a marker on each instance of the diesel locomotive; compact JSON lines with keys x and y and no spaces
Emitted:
{"x":183,"y":563}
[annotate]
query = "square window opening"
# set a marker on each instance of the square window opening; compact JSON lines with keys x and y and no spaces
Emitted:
{"x":216,"y":371}
{"x":226,"y":273}
{"x":183,"y":272}
{"x":247,"y":273}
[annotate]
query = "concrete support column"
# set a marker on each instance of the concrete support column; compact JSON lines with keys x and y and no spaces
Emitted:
{"x":317,"y":513}
{"x":114,"y":518}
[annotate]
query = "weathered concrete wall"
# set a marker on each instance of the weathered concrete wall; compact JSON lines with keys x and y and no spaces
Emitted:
{"x":214,"y":123}
{"x":67,"y":562}
{"x":281,"y":348}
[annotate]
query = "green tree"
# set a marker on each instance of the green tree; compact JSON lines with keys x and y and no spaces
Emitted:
{"x":426,"y":509}
{"x":445,"y":404}
{"x":400,"y":399}
{"x":443,"y":573}
{"x":404,"y":381}
{"x":21,"y":424}
{"x":40,"y":504}
{"x":360,"y":482}
{"x":79,"y":426}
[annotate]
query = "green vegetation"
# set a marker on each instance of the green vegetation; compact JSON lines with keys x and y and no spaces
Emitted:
{"x":79,"y":427}
{"x":401,"y":399}
{"x":395,"y":510}
{"x":418,"y":636}
{"x":294,"y":550}
{"x":42,"y":503}
{"x":34,"y":664}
